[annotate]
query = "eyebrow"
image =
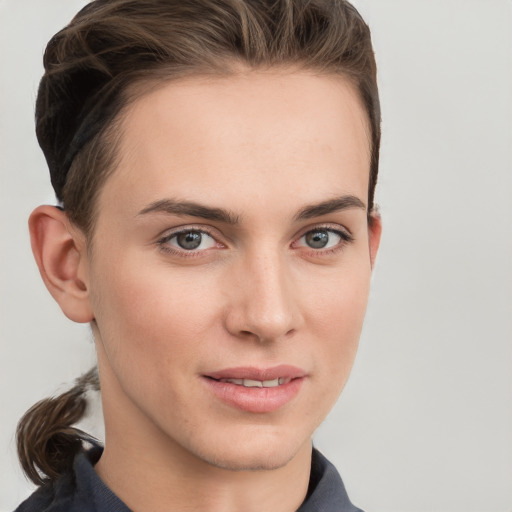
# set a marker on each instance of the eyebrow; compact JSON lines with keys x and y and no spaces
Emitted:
{"x":330,"y":206}
{"x":192,"y":209}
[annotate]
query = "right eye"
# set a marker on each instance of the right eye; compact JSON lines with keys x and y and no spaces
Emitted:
{"x":189,"y":240}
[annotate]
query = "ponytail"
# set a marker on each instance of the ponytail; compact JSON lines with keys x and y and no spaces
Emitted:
{"x":46,"y":439}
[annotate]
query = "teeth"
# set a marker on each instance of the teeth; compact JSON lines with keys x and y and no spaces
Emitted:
{"x":249,"y":383}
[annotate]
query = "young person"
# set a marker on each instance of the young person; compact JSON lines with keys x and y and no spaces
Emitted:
{"x":215,"y":163}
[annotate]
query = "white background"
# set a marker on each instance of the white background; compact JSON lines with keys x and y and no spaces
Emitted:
{"x":425,"y":423}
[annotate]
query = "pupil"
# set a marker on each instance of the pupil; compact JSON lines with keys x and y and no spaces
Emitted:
{"x":189,"y":240}
{"x":317,"y":239}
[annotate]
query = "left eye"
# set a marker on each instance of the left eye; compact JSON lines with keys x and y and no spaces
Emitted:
{"x":191,"y":240}
{"x":321,"y":239}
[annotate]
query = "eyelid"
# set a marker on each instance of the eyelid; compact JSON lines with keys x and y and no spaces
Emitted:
{"x":169,"y":233}
{"x":327,"y":226}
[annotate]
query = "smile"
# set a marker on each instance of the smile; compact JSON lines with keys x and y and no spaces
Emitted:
{"x":256,"y":390}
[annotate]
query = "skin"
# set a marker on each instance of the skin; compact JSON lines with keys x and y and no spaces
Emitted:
{"x":264,"y":146}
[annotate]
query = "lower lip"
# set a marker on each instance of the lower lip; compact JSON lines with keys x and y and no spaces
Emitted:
{"x":256,"y":400}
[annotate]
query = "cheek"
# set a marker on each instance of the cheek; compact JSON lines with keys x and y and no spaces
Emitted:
{"x":338,"y":318}
{"x":145,"y":314}
{"x":338,"y":297}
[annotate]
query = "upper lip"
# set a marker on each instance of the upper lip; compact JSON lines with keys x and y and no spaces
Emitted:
{"x":261,"y":374}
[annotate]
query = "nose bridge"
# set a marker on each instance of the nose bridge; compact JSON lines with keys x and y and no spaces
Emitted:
{"x":265,"y":303}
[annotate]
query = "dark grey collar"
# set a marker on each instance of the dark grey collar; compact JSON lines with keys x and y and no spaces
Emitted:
{"x":83,"y":490}
{"x":326,"y":490}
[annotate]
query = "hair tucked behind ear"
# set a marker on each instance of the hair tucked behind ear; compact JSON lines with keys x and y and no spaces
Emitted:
{"x":46,"y":439}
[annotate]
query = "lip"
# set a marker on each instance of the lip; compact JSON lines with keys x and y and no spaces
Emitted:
{"x":256,"y":400}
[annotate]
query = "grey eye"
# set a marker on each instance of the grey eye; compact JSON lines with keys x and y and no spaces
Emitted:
{"x":192,"y":240}
{"x":322,"y":238}
{"x":317,"y":239}
{"x":189,"y":240}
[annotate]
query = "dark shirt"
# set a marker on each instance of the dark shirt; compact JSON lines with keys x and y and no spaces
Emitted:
{"x":82,"y":490}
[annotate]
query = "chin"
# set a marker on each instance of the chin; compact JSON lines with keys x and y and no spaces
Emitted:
{"x":260,"y":453}
{"x":260,"y":462}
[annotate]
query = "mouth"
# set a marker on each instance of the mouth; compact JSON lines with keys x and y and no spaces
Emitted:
{"x":256,"y":390}
{"x":250,"y":383}
{"x":281,"y":374}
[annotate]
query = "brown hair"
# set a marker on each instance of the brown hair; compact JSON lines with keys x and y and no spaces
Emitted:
{"x":47,"y":441}
{"x":98,"y":64}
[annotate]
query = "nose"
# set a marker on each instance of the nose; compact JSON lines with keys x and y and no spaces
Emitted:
{"x":263,"y":303}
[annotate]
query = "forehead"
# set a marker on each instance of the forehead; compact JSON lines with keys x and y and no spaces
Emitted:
{"x":234,"y":136}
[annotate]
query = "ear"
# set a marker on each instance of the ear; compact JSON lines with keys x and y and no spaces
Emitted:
{"x":61,"y":255}
{"x":374,"y":233}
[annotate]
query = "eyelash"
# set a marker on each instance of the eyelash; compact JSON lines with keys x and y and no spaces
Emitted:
{"x":163,"y":243}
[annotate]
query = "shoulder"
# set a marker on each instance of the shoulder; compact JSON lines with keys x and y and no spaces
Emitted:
{"x":52,"y":496}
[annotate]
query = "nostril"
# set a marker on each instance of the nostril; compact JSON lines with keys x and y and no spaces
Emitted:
{"x":247,"y":334}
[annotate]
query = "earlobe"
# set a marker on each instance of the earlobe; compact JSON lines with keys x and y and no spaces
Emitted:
{"x":374,"y":234}
{"x":61,"y":257}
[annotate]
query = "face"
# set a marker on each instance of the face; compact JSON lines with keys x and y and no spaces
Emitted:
{"x":230,"y":266}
